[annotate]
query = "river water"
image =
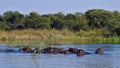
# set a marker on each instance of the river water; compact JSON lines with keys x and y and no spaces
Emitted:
{"x":110,"y":58}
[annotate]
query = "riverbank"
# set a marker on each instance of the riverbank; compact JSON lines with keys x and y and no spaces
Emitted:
{"x":52,"y":37}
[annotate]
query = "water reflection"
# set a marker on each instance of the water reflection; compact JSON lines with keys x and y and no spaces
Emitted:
{"x":110,"y":58}
{"x":33,"y":57}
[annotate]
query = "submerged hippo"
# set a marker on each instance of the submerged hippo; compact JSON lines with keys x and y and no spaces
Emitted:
{"x":55,"y":50}
{"x":63,"y":51}
{"x":73,"y":50}
{"x":51,"y":50}
{"x":25,"y":49}
{"x":99,"y":51}
{"x":81,"y":52}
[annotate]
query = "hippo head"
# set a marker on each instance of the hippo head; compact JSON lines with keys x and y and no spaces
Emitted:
{"x":99,"y":51}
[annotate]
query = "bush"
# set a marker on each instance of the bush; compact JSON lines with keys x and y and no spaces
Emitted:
{"x":3,"y":39}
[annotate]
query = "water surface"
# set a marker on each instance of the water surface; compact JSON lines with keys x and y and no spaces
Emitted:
{"x":110,"y":58}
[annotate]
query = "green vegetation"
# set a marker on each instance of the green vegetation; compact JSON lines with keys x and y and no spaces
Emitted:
{"x":93,"y":26}
{"x":53,"y":37}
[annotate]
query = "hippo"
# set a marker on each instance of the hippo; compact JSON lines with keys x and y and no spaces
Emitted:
{"x":63,"y":51}
{"x":80,"y":52}
{"x":66,"y":52}
{"x":43,"y":51}
{"x":99,"y":51}
{"x":36,"y":50}
{"x":47,"y":50}
{"x":73,"y":50}
{"x":55,"y":50}
{"x":51,"y":50}
{"x":26,"y":49}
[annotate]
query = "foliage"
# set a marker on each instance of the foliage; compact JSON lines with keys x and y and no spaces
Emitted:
{"x":99,"y":19}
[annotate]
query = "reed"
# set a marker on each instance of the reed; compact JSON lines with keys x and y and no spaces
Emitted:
{"x":53,"y":37}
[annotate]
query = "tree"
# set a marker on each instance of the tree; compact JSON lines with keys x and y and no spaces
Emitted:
{"x":69,"y":21}
{"x":116,"y":31}
{"x":1,"y":19}
{"x":14,"y":19}
{"x":117,"y":18}
{"x":99,"y":18}
{"x":4,"y":26}
{"x":81,"y":23}
{"x":56,"y":21}
{"x":35,"y":21}
{"x":60,"y":15}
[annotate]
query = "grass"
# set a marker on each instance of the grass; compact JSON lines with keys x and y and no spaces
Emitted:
{"x":53,"y":37}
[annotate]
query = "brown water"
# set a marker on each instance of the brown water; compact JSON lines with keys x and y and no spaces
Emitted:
{"x":110,"y":58}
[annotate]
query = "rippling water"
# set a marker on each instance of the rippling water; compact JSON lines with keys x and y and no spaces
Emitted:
{"x":110,"y":58}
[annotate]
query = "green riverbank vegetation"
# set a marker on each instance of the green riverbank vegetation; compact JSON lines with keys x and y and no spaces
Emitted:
{"x":93,"y":26}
